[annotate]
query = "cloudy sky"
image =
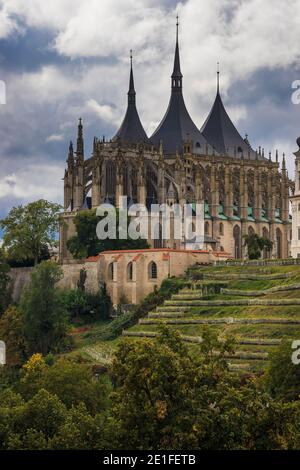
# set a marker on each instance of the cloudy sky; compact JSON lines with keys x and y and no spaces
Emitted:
{"x":65,"y":59}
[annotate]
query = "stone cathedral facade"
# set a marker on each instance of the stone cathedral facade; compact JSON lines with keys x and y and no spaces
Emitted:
{"x":244,"y":191}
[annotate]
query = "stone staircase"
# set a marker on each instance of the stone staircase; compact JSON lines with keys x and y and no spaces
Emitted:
{"x":232,"y":304}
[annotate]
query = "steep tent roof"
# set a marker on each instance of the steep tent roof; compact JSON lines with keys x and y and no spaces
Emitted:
{"x":221,"y":133}
{"x":131,"y":129}
{"x":177,"y":125}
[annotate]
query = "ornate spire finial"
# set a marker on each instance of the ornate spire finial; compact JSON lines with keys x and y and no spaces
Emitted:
{"x":131,"y":91}
{"x":71,"y":154}
{"x":283,"y":162}
{"x":276,"y":156}
{"x":80,"y":143}
{"x":218,"y":77}
{"x":177,"y":75}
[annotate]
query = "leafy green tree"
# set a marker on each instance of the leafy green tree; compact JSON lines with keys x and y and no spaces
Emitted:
{"x":11,"y":331}
{"x":73,"y":383}
{"x":154,"y":396}
{"x":86,"y":243}
{"x":44,"y":314}
{"x":282,"y":375}
{"x":256,"y":245}
{"x":86,"y":307}
{"x":29,"y":229}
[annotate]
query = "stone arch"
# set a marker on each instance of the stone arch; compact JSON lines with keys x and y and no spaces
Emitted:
{"x":129,"y":271}
{"x":111,"y":271}
{"x":152,"y":270}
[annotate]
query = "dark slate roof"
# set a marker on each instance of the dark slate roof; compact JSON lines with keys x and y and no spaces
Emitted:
{"x":177,"y":125}
{"x":221,"y":133}
{"x":131,"y":129}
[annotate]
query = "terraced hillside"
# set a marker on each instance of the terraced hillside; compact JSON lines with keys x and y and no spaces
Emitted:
{"x":259,"y":306}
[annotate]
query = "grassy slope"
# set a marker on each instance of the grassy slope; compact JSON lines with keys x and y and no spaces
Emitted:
{"x":100,"y":351}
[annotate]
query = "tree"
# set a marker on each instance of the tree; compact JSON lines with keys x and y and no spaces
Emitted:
{"x":44,"y":314}
{"x":11,"y":331}
{"x":86,"y":243}
{"x":154,"y":397}
{"x":87,"y":307}
{"x":29,"y":229}
{"x":282,"y":376}
{"x":73,"y":383}
{"x":256,"y":245}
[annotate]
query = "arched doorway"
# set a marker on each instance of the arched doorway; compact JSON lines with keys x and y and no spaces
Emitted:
{"x":278,"y":243}
{"x":237,"y":242}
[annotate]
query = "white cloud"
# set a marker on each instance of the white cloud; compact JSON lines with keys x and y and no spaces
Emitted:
{"x":43,"y":106}
{"x":104,"y":111}
{"x":30,"y":183}
{"x":55,"y":138}
{"x":8,"y":25}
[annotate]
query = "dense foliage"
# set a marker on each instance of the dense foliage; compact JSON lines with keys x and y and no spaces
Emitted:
{"x":86,"y":243}
{"x":257,"y":244}
{"x":156,"y":396}
{"x":28,"y":230}
{"x":84,"y":307}
{"x":43,"y":312}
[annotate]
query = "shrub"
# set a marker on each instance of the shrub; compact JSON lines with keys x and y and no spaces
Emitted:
{"x":85,"y":307}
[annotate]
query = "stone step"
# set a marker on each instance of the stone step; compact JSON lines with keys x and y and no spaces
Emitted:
{"x":272,"y":290}
{"x":198,"y":339}
{"x":153,"y":334}
{"x":190,"y":296}
{"x":166,"y":315}
{"x":165,"y":308}
{"x":248,"y":277}
{"x":219,"y":321}
{"x":249,"y":355}
{"x":229,"y":303}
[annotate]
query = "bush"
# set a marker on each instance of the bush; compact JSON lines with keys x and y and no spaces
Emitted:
{"x":84,"y":307}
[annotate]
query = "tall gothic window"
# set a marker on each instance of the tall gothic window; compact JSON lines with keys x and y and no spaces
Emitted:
{"x":236,"y":187}
{"x":250,"y":188}
{"x":151,"y":183}
{"x":111,"y":180}
{"x":207,"y":184}
{"x":221,"y":185}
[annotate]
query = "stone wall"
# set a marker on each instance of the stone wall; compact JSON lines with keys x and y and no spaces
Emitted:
{"x":127,"y":273}
{"x":20,"y":278}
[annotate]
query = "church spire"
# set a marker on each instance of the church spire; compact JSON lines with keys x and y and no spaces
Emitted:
{"x":70,"y":154}
{"x":80,"y":144}
{"x":131,"y":129}
{"x":131,"y":91}
{"x":218,"y":78}
{"x":177,"y":75}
